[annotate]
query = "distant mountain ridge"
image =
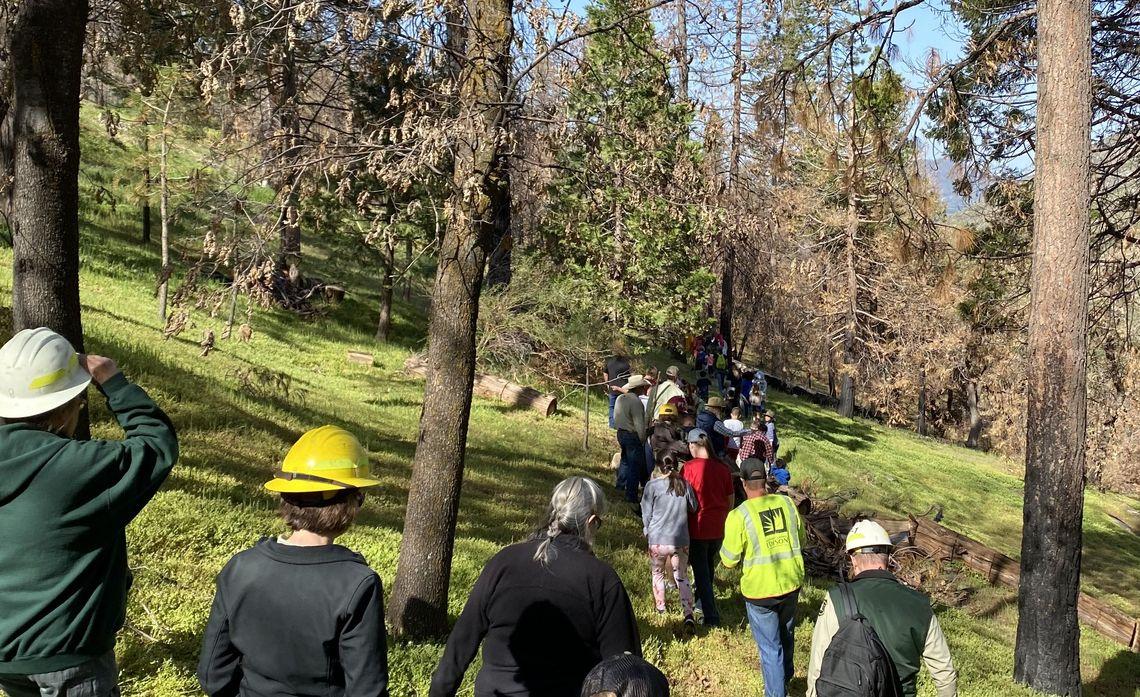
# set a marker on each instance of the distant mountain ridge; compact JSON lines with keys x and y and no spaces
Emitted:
{"x":941,"y":173}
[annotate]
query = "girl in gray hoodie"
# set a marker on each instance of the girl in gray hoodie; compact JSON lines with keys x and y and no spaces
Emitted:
{"x":665,"y":506}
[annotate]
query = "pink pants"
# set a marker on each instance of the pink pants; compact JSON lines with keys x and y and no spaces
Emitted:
{"x":662,"y":558}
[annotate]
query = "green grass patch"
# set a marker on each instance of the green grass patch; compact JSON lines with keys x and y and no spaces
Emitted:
{"x":234,"y":429}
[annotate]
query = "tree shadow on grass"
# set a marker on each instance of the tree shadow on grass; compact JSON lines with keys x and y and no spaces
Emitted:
{"x":137,"y":654}
{"x":848,"y":433}
{"x":1118,"y":677}
{"x":1107,"y":553}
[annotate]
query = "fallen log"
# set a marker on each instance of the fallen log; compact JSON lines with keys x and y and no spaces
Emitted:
{"x":827,"y":530}
{"x":360,"y":358}
{"x":494,"y":387}
{"x":943,"y":543}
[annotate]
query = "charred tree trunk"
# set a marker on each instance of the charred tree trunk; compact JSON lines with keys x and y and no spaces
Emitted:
{"x":502,"y":241}
{"x":847,"y":391}
{"x":1047,"y":655}
{"x":45,"y":56}
{"x":973,"y":414}
{"x":418,"y":606}
{"x":847,"y":387}
{"x":384,"y":326}
{"x":921,"y":424}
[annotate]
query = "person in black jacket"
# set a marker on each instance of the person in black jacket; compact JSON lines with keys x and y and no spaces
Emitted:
{"x":546,"y":611}
{"x":302,"y":616}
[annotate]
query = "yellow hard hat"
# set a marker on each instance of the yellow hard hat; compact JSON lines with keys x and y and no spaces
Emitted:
{"x":324,"y":459}
{"x":668,"y":410}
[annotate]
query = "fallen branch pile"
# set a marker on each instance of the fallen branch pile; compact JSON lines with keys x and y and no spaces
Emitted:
{"x":922,"y":545}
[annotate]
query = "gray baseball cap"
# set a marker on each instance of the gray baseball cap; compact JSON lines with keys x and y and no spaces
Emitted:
{"x":695,"y":435}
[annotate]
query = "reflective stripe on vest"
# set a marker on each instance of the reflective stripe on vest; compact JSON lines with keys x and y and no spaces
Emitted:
{"x":754,"y":536}
{"x":769,"y":574}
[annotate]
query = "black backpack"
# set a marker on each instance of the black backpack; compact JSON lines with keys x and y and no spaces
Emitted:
{"x":856,"y":664}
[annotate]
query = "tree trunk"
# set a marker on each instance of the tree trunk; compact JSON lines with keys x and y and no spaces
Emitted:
{"x":164,"y":211}
{"x":1047,"y":655}
{"x":146,"y":180}
{"x":728,"y":272}
{"x":973,"y":414}
{"x":283,"y":89}
{"x":45,"y":59}
{"x":228,"y":330}
{"x":847,"y":391}
{"x":726,"y":283}
{"x":384,"y":326}
{"x":418,"y":606}
{"x":922,"y":402}
{"x":502,"y":241}
{"x":682,"y":51}
{"x":409,"y":254}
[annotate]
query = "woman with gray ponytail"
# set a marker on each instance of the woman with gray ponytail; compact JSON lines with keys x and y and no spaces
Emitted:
{"x":546,"y":611}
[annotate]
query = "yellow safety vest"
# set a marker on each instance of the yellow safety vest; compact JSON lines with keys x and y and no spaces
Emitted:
{"x":765,"y":536}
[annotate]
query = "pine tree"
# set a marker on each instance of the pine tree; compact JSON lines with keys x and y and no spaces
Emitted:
{"x":613,"y":218}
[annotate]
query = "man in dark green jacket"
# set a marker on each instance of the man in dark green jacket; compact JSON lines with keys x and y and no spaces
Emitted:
{"x":901,"y":616}
{"x":64,"y":508}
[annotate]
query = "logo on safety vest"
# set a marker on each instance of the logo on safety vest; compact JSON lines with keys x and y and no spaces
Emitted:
{"x":773,"y":521}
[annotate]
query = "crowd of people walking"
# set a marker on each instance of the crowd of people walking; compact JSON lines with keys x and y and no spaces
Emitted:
{"x":298,"y":614}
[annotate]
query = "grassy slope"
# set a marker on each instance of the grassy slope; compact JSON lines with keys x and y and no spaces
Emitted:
{"x":213,"y":506}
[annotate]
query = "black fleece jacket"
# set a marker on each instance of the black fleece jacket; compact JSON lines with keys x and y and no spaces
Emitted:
{"x":543,"y":628}
{"x":295,"y":621}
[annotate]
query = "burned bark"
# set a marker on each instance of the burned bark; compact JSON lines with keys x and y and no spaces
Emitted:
{"x":1047,"y":654}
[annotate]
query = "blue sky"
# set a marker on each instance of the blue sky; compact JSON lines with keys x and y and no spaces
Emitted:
{"x":922,"y":28}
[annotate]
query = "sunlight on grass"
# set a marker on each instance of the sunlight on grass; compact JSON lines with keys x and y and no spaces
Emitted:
{"x":213,"y":506}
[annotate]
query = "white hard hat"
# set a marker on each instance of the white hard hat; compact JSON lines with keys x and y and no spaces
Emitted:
{"x":39,"y":371}
{"x":867,"y":533}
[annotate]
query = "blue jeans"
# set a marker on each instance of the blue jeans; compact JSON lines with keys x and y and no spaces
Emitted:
{"x":98,"y":677}
{"x":773,"y":628}
{"x":632,"y":469}
{"x":704,"y":556}
{"x":613,"y":401}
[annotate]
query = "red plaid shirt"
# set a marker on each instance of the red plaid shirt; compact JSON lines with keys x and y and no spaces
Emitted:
{"x":756,"y":444}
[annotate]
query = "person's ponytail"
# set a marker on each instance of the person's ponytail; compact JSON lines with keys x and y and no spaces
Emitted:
{"x":574,"y":501}
{"x":672,"y":470}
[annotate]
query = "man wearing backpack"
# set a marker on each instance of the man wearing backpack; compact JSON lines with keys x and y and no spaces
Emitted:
{"x":876,"y":649}
{"x":765,"y":535}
